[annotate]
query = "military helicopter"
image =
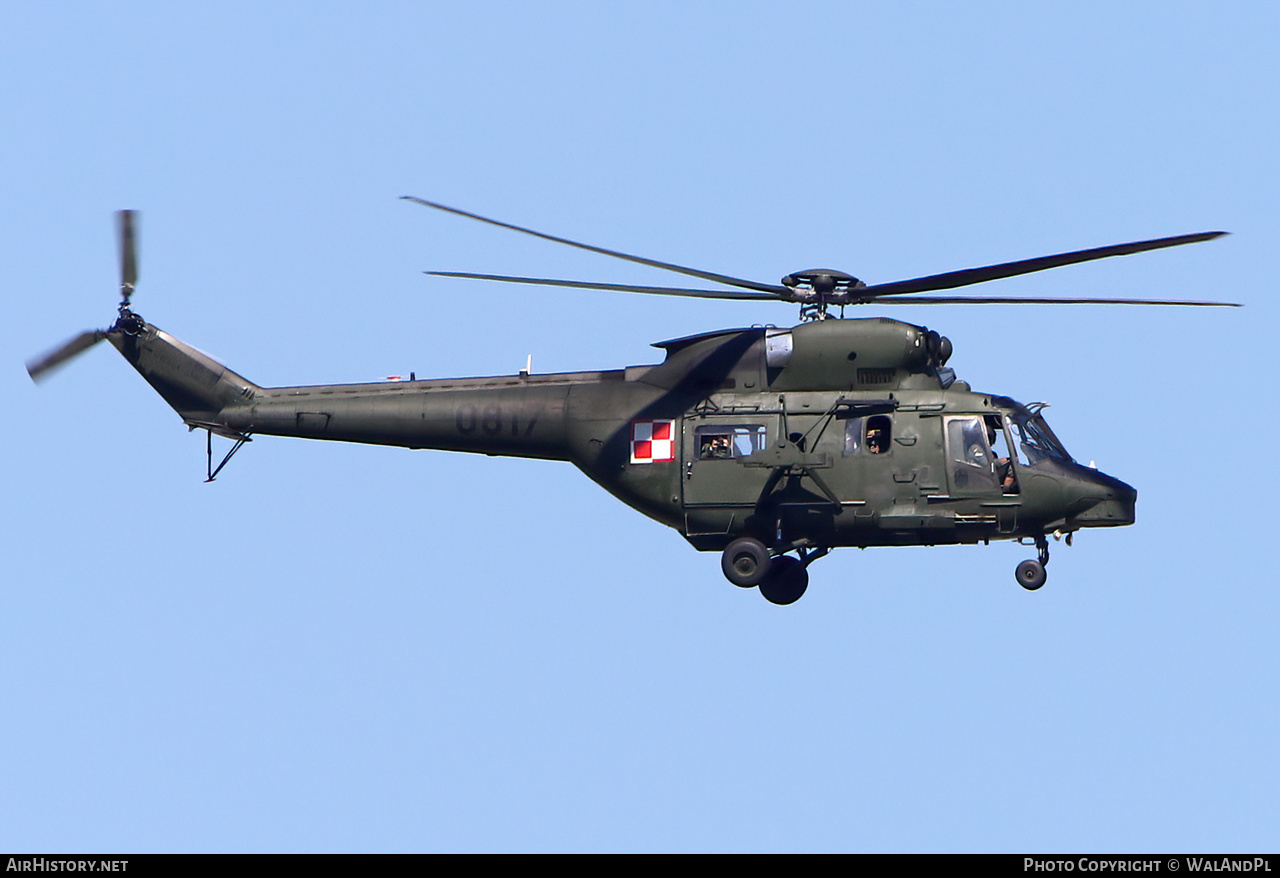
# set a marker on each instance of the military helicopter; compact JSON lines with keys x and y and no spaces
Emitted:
{"x":770,"y":445}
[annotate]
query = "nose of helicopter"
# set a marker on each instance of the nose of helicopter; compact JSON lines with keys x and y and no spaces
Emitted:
{"x":1110,"y":501}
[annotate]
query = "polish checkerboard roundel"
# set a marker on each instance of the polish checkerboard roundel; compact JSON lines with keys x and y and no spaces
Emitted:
{"x":653,"y":441}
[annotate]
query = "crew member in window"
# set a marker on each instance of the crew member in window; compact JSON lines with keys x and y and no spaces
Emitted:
{"x":715,"y":447}
{"x":1004,"y":466}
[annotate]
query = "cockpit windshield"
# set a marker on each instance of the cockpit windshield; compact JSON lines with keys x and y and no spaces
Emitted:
{"x":1034,"y":437}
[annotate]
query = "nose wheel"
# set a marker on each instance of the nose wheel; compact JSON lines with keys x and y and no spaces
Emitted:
{"x":1030,"y":574}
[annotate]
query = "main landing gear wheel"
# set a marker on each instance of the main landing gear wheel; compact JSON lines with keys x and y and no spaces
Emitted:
{"x":1030,"y":575}
{"x":786,"y":582}
{"x":745,"y":562}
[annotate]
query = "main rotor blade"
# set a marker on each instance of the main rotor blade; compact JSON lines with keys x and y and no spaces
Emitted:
{"x":42,"y":365}
{"x":743,"y":283}
{"x":128,"y":252}
{"x":625,"y":288}
{"x":1011,"y":300}
{"x":965,"y":277}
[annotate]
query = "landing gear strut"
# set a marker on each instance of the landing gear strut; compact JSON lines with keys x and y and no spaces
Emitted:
{"x":1030,"y":574}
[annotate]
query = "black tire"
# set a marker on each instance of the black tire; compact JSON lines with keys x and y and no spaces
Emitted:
{"x":745,"y":562}
{"x":786,"y":583}
{"x":1030,"y":575}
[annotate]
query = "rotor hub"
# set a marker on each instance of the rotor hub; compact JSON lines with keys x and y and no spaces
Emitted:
{"x":822,"y":284}
{"x":128,"y":322}
{"x":817,"y":288}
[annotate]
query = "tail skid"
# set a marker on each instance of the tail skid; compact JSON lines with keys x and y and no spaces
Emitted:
{"x":240,"y":438}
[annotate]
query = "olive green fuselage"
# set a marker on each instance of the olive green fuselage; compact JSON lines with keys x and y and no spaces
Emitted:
{"x":833,"y":433}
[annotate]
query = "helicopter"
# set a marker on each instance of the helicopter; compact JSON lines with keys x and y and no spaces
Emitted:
{"x":773,"y":446}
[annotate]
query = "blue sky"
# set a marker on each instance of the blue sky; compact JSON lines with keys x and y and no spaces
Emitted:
{"x":337,"y":648}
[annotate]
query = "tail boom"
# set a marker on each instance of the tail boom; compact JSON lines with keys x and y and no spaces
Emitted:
{"x":518,"y":415}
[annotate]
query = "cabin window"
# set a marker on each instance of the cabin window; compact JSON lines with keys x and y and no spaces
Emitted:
{"x":729,"y":443}
{"x":852,"y":435}
{"x":872,"y":435}
{"x":879,"y":432}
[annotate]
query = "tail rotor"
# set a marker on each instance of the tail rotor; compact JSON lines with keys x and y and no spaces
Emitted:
{"x":42,"y":366}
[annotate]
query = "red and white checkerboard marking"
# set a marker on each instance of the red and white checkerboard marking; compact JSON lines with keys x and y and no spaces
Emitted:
{"x":653,"y":441}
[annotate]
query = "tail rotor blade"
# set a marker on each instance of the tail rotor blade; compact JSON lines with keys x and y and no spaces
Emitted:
{"x":41,"y":366}
{"x":125,"y":225}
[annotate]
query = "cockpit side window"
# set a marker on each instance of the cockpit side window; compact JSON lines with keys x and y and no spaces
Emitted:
{"x":1006,"y":473}
{"x":969,"y":454}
